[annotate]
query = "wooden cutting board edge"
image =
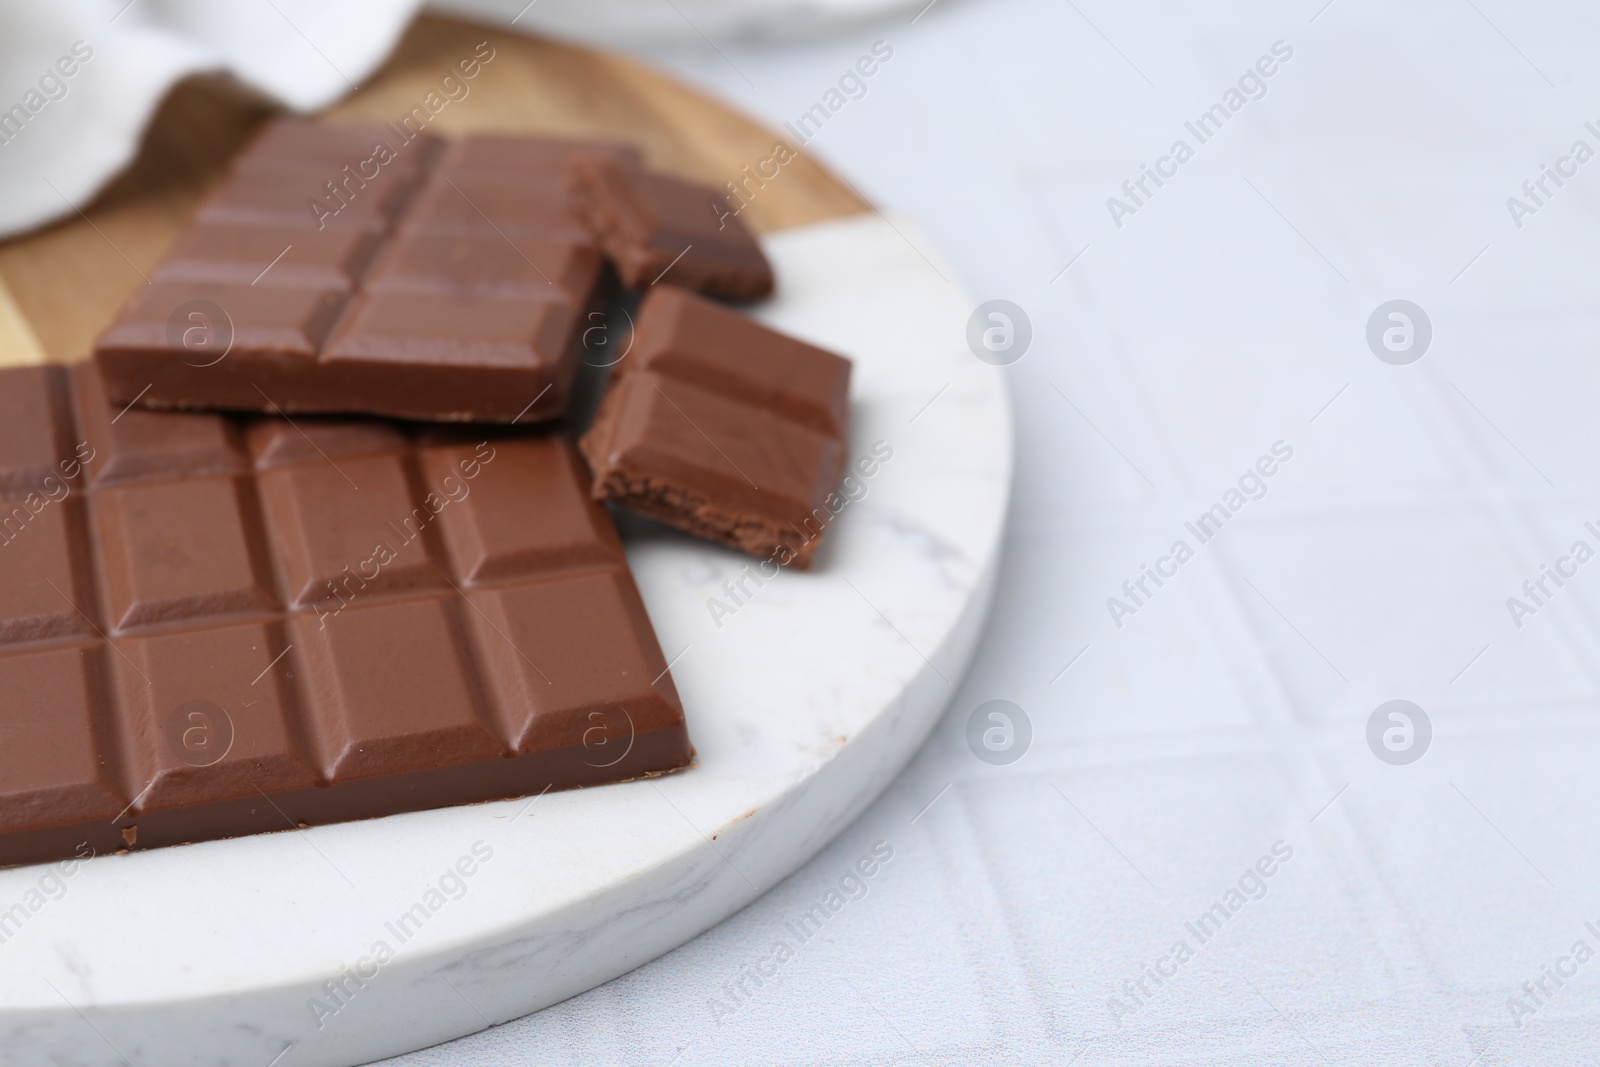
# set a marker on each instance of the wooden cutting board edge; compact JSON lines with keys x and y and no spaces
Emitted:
{"x":61,"y":285}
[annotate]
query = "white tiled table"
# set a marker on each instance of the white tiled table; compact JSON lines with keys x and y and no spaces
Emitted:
{"x":1230,"y":713}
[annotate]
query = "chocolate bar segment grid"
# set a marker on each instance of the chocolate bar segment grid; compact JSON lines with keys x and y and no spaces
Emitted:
{"x":214,"y":626}
{"x":340,"y":269}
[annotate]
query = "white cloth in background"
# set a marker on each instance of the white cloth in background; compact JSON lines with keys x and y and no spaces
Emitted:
{"x":79,"y":79}
{"x":63,"y":136}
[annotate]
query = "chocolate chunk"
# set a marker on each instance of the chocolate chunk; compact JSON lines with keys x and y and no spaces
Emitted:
{"x":339,"y":270}
{"x":659,"y":229}
{"x":724,"y":428}
{"x":212,"y":626}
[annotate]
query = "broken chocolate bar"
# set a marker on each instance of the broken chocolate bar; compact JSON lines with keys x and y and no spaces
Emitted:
{"x":657,"y":229}
{"x":722,"y":427}
{"x":215,"y":626}
{"x":339,"y":270}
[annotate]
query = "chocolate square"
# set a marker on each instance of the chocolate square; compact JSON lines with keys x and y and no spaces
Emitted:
{"x":181,"y":550}
{"x":257,"y":255}
{"x":724,"y":428}
{"x":657,"y":229}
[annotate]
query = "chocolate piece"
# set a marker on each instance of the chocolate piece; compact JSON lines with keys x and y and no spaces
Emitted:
{"x":410,"y":348}
{"x":724,"y":428}
{"x":530,"y":207}
{"x":514,"y":157}
{"x":275,"y":325}
{"x":658,"y":229}
{"x":487,"y":264}
{"x":365,"y":148}
{"x":255,"y":255}
{"x":306,"y":197}
{"x":267,"y":303}
{"x":216,"y":626}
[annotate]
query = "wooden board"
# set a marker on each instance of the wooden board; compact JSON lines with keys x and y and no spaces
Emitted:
{"x":61,"y":286}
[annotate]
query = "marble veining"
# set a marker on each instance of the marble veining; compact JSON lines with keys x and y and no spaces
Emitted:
{"x":803,"y":706}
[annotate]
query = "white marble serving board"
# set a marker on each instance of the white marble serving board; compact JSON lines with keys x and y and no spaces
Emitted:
{"x":803,"y":704}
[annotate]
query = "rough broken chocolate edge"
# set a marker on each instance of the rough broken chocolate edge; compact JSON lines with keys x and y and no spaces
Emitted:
{"x":693,"y":513}
{"x":630,"y":259}
{"x":640,"y":266}
{"x":681,"y":507}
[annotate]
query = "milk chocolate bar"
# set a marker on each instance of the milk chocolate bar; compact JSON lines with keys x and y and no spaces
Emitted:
{"x":213,"y":626}
{"x":341,"y":269}
{"x":657,"y":229}
{"x":717,"y":425}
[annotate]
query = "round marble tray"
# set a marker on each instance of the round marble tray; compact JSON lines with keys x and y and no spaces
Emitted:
{"x":805,"y":696}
